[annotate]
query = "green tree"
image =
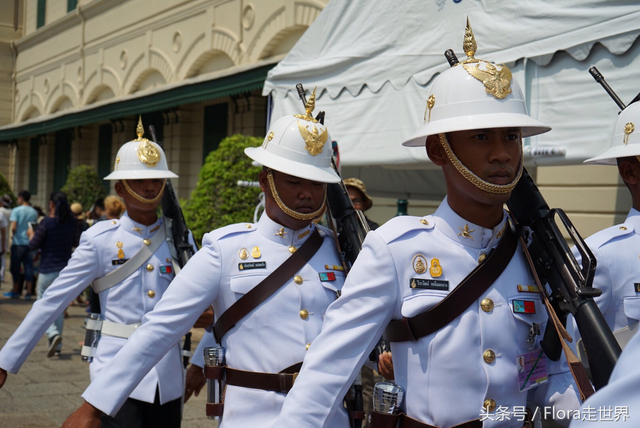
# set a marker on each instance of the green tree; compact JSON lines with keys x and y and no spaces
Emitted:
{"x":6,"y":189}
{"x":83,"y":185}
{"x":217,"y":200}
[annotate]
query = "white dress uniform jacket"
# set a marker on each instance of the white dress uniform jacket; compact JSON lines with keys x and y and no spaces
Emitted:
{"x":616,"y":250}
{"x":272,"y":337}
{"x":445,"y":374}
{"x":124,"y":303}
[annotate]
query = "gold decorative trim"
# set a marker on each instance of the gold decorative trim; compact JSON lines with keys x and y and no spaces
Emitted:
{"x":628,"y":130}
{"x":313,"y":140}
{"x":309,"y":106}
{"x":499,"y":189}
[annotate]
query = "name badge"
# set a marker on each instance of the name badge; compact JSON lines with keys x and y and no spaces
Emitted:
{"x":429,"y":284}
{"x":252,"y":265}
{"x":327,"y":276}
{"x":166,"y":269}
{"x":524,"y":307}
{"x":636,"y":286}
{"x":532,"y":369}
{"x":117,"y":262}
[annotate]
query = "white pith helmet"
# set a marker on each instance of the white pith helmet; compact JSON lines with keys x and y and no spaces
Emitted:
{"x":475,"y":94}
{"x":625,"y":139}
{"x":297,"y":145}
{"x":140,"y":159}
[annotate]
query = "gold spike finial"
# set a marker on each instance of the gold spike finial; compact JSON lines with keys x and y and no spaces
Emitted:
{"x":309,"y":106}
{"x":140,"y":128}
{"x":469,"y":45}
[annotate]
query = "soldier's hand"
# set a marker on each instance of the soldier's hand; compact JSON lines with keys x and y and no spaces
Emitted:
{"x":385,"y":365}
{"x":86,"y":416}
{"x":3,"y":377}
{"x":194,"y":382}
{"x":206,"y":319}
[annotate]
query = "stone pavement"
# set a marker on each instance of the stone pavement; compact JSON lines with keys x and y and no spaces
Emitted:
{"x":46,"y":390}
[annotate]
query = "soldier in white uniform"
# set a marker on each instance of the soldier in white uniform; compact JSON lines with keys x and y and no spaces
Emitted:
{"x":141,"y":168}
{"x":616,"y":248}
{"x":467,"y":370}
{"x":233,"y":261}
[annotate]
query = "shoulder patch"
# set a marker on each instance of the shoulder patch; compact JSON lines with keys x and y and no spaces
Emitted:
{"x":225,"y":231}
{"x":601,"y":238}
{"x":398,"y":226}
{"x":101,"y":227}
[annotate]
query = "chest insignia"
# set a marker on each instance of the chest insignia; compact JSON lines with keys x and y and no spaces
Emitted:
{"x":419,"y":264}
{"x":524,"y":307}
{"x":252,"y":265}
{"x":255,"y":253}
{"x":429,"y":284}
{"x":334,"y":267}
{"x":528,"y":288}
{"x":327,"y":276}
{"x":636,"y":286}
{"x":119,"y":244}
{"x":243,"y":254}
{"x":166,"y":269}
{"x":117,"y":262}
{"x":436,"y":268}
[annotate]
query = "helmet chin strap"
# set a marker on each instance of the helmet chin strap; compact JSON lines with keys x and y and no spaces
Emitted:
{"x":498,"y":189}
{"x":142,"y":199}
{"x":288,"y":211}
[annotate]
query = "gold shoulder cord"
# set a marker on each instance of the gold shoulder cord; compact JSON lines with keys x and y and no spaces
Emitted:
{"x":288,"y":211}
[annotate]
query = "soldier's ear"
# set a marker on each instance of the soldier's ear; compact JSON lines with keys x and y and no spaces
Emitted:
{"x":264,"y":182}
{"x":629,"y":171}
{"x":435,"y":151}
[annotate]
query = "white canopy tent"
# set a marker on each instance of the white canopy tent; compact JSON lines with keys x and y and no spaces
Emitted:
{"x":373,"y":61}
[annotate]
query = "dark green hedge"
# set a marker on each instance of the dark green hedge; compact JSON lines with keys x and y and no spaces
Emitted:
{"x":217,"y":200}
{"x":6,"y":189}
{"x":83,"y":185}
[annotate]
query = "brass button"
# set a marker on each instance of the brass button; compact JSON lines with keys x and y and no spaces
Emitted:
{"x":151,"y":293}
{"x":482,"y":258}
{"x":489,"y":356}
{"x":623,"y":228}
{"x":423,"y":221}
{"x":298,"y":279}
{"x":292,"y":249}
{"x":304,"y":314}
{"x":149,"y":267}
{"x":489,"y":404}
{"x":486,"y":304}
{"x":113,"y":222}
{"x":146,"y":242}
{"x":307,"y":347}
{"x":248,"y":226}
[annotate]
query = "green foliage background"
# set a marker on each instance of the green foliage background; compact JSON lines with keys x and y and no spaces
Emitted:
{"x":5,"y":188}
{"x":83,"y":185}
{"x":217,"y":200}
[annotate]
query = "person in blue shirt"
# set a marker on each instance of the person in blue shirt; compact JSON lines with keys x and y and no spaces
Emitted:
{"x":21,"y":256}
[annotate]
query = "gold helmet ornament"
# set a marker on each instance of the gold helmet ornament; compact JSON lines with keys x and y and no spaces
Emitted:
{"x":475,"y":94}
{"x":140,"y":159}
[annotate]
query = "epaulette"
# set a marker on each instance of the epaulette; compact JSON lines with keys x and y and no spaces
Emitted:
{"x":599,"y":239}
{"x":101,"y":227}
{"x":401,"y":225}
{"x":225,"y":231}
{"x":325,"y":230}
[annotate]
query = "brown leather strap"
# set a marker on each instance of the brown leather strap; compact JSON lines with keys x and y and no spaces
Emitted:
{"x":215,"y":409}
{"x":384,"y":420}
{"x":268,"y":286}
{"x":576,"y":368}
{"x":455,"y":303}
{"x":400,"y":420}
{"x":408,"y":422}
{"x":213,"y":372}
{"x":278,"y":382}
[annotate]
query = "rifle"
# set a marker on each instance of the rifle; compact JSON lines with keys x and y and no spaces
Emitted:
{"x":350,"y":228}
{"x":571,"y":285}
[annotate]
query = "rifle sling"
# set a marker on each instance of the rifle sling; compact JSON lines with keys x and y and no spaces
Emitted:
{"x":455,"y":303}
{"x":267,"y":286}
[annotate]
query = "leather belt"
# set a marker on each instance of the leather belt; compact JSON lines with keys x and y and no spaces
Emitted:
{"x":382,"y":420}
{"x":278,"y":382}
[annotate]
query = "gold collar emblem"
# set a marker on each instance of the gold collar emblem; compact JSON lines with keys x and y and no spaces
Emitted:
{"x":281,"y":232}
{"x":466,"y":232}
{"x":496,"y":82}
{"x":628,"y":130}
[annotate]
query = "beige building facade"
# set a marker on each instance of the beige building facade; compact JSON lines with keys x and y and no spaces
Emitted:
{"x":75,"y":75}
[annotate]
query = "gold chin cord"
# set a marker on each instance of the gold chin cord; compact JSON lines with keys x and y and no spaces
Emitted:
{"x":288,"y":211}
{"x":140,"y":198}
{"x":498,"y":189}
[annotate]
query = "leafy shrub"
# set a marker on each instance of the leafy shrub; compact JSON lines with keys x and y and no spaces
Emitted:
{"x":83,"y":185}
{"x":6,"y":189}
{"x":217,"y":200}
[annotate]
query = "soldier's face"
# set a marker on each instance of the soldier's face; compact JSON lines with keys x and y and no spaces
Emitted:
{"x":147,"y":188}
{"x":298,"y":194}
